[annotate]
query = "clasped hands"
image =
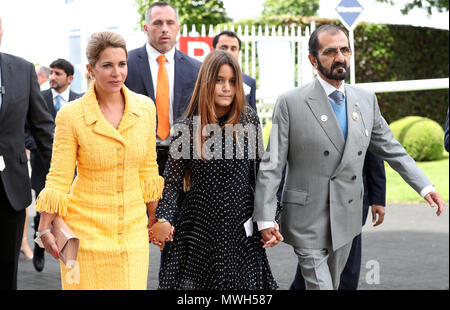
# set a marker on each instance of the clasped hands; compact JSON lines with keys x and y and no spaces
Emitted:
{"x":271,"y":236}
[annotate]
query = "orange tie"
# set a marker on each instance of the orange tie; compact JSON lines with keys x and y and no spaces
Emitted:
{"x":162,"y":99}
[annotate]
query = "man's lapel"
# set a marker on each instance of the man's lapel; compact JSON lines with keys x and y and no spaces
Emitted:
{"x":179,"y":78}
{"x":7,"y":79}
{"x":324,"y":114}
{"x":145,"y":72}
{"x":353,"y":128}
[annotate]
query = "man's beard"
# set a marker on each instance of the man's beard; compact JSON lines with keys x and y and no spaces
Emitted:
{"x":340,"y":74}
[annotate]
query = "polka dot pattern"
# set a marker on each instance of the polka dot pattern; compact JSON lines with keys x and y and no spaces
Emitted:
{"x":210,"y":248}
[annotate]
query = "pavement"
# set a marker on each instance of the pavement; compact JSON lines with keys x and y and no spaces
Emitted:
{"x":409,"y":251}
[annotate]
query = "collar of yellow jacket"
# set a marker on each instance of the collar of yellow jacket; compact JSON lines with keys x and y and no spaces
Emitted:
{"x":93,"y":114}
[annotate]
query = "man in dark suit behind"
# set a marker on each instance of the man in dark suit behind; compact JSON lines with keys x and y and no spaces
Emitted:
{"x":374,"y":179}
{"x":144,"y":73}
{"x":61,"y":76}
{"x":162,"y":28}
{"x":230,"y":42}
{"x":20,"y":101}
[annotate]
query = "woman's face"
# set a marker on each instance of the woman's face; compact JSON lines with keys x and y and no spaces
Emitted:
{"x":225,"y":90}
{"x":110,"y":70}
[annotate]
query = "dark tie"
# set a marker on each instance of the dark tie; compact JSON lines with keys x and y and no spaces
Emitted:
{"x":58,"y":103}
{"x":338,"y":97}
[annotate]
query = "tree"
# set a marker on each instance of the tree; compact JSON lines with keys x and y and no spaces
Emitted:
{"x":191,"y":12}
{"x":439,"y":5}
{"x":291,"y":7}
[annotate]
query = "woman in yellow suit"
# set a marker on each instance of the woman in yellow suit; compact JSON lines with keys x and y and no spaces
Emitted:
{"x":109,"y":135}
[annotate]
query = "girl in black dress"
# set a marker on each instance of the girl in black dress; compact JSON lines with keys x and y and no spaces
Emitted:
{"x":214,"y":169}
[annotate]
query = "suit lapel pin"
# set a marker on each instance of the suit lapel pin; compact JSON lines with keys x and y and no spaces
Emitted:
{"x":355,"y":116}
{"x":323,"y":118}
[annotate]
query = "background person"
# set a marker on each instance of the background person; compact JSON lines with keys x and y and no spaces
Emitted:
{"x":108,"y":134}
{"x":43,"y":74}
{"x":20,"y":101}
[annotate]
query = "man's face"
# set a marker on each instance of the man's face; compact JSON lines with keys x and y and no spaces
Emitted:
{"x":228,"y":44}
{"x":333,"y":56}
{"x":59,"y":80}
{"x":162,"y":28}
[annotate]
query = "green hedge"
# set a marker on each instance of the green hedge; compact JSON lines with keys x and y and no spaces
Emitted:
{"x":392,"y":53}
{"x":422,"y":138}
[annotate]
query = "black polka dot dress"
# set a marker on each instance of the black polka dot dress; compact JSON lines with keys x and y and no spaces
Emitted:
{"x":210,"y":249}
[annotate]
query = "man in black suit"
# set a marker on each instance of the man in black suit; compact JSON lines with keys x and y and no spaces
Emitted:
{"x":230,"y":42}
{"x":162,"y":28}
{"x":20,"y":101}
{"x":374,"y":179}
{"x":61,"y":76}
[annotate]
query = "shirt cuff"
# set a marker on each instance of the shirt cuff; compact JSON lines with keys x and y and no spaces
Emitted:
{"x":426,"y":190}
{"x":264,"y":225}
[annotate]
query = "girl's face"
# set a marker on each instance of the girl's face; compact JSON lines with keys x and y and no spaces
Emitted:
{"x":225,"y":90}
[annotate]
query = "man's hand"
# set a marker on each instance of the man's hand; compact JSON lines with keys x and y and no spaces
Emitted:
{"x":435,"y":200}
{"x":380,"y":210}
{"x":271,"y":236}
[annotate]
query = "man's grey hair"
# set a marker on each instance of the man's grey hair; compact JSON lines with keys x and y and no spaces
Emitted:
{"x":45,"y":71}
{"x":159,"y":4}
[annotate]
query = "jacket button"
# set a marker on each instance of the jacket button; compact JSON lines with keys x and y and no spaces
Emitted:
{"x":360,"y":153}
{"x":326,"y":153}
{"x":354,"y":177}
{"x":333,"y":178}
{"x":350,"y":201}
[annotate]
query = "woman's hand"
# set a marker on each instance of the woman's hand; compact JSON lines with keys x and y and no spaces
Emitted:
{"x":160,"y":233}
{"x":151,"y":209}
{"x":48,"y":239}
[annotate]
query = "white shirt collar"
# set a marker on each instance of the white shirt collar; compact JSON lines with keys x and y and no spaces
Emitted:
{"x":64,"y":95}
{"x":154,"y":53}
{"x":330,"y":88}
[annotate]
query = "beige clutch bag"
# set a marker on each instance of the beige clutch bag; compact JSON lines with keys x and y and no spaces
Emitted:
{"x":66,"y":241}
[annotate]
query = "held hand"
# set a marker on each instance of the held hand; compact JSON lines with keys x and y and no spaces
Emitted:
{"x":380,"y":210}
{"x":151,"y":208}
{"x":49,"y":242}
{"x":271,"y":236}
{"x":435,"y":200}
{"x":160,"y":233}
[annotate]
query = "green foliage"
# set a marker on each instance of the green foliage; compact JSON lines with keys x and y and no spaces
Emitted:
{"x":266,"y":134}
{"x":391,"y":53}
{"x":190,"y":12}
{"x":429,"y":5}
{"x":399,"y":52}
{"x":421,"y":137}
{"x":291,"y":7}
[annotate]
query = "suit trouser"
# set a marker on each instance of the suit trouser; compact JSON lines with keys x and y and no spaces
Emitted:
{"x":350,"y":274}
{"x":11,"y":232}
{"x":322,"y":268}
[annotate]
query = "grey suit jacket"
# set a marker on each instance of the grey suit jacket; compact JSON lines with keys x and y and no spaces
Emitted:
{"x":323,"y":194}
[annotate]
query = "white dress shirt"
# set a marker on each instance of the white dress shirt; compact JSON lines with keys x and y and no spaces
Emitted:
{"x":64,"y":96}
{"x":153,"y":54}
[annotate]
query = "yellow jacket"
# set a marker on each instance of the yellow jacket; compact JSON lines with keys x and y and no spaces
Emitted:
{"x":104,"y":205}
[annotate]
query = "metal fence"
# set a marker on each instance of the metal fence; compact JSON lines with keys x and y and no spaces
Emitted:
{"x":300,"y":68}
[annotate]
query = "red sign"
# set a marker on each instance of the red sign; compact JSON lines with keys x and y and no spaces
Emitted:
{"x":196,"y":47}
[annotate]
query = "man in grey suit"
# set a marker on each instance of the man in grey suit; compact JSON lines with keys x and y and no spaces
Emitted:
{"x":322,"y":132}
